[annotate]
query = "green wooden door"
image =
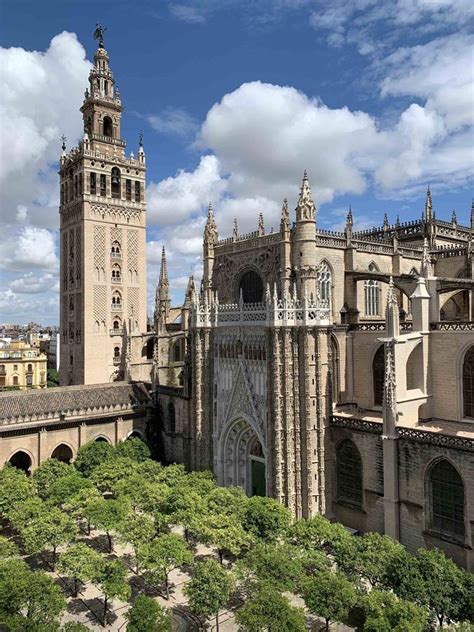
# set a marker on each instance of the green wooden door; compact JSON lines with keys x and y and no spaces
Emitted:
{"x":258,"y":478}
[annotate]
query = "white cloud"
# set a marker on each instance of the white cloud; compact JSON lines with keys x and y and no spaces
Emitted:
{"x":174,"y":199}
{"x":39,"y":97}
{"x":188,"y":13}
{"x":173,"y":121}
{"x":30,"y":283}
{"x":29,"y":248}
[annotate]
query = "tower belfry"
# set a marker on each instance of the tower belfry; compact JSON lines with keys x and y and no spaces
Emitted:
{"x":103,"y":242}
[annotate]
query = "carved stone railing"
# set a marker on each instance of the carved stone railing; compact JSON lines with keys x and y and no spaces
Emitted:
{"x":409,"y":434}
{"x":378,"y":326}
{"x":354,"y":423}
{"x":436,"y":438}
{"x":273,"y":312}
{"x":449,"y":325}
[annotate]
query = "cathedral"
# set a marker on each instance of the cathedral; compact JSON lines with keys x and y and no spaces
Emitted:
{"x":333,"y":371}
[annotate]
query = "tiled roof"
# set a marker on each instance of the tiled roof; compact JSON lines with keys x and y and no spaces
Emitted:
{"x":65,"y":399}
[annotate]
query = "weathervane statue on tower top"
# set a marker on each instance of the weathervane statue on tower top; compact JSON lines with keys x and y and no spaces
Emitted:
{"x":99,"y":34}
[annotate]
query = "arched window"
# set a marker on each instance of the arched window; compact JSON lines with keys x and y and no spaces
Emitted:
{"x":150,"y":346}
{"x":116,"y":273}
{"x":30,"y":368}
{"x":115,"y":183}
{"x":324,"y":278}
{"x":447,"y":499}
{"x":468,"y":383}
{"x":349,"y":474}
{"x":115,"y":250}
{"x":335,"y":370}
{"x":15,"y":380}
{"x":378,"y":375}
{"x":137,"y":192}
{"x":251,"y":287}
{"x":171,"y":417}
{"x":116,"y":352}
{"x":116,"y":300}
{"x":103,"y":185}
{"x":177,"y":351}
{"x":108,"y":128}
{"x":93,"y":183}
{"x":372,"y":294}
{"x":117,"y":324}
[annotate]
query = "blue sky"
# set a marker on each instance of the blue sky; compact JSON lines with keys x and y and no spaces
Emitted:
{"x":235,"y":100}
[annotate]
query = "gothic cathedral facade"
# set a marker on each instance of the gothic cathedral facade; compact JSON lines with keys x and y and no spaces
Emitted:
{"x":332,"y":370}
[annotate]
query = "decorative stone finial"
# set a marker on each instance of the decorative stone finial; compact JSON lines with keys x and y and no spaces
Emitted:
{"x":392,"y":319}
{"x":349,"y":218}
{"x":235,"y":230}
{"x":389,"y":393}
{"x":454,"y":220}
{"x":261,"y":225}
{"x":210,"y":230}
{"x":426,"y":265}
{"x":428,"y":206}
{"x":385,"y":221}
{"x":305,"y":209}
{"x":63,"y":146}
{"x":285,"y":217}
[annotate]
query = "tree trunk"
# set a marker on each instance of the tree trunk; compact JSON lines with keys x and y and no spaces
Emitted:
{"x":186,"y":534}
{"x":221,"y":556}
{"x":54,"y":557}
{"x":76,"y":587}
{"x":104,"y":622}
{"x":327,"y":625}
{"x":217,"y":622}
{"x":109,"y":538}
{"x":88,"y":527}
{"x":167,"y":587}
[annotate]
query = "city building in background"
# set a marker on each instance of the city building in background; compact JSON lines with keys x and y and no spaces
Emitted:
{"x":22,"y":366}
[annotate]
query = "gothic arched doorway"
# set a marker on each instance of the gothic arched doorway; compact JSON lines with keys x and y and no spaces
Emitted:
{"x":241,"y":458}
{"x":22,"y":461}
{"x":63,"y":453}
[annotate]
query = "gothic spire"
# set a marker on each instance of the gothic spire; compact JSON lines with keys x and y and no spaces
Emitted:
{"x":392,"y":322}
{"x":191,"y":287}
{"x":285,"y":217}
{"x":305,"y":209}
{"x":385,"y":222}
{"x":349,"y":218}
{"x":426,"y":265}
{"x":389,"y":392}
{"x":162,"y":297}
{"x":235,"y":230}
{"x":210,"y":230}
{"x":428,"y":206}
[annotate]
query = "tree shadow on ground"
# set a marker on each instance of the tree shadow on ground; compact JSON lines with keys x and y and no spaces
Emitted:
{"x":93,"y":610}
{"x":140,"y":587}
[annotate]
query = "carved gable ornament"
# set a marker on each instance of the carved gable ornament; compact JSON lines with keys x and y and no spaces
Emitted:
{"x":243,"y":399}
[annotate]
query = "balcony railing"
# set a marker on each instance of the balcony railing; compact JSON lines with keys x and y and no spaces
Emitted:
{"x":116,"y":279}
{"x":116,"y":361}
{"x":116,"y":331}
{"x":116,"y":255}
{"x":116,"y":308}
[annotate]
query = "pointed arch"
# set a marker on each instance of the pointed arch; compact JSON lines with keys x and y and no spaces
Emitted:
{"x":324,"y":277}
{"x":349,"y":474}
{"x":447,"y":498}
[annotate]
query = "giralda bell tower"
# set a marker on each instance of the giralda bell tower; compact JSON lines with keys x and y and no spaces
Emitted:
{"x":103,"y":238}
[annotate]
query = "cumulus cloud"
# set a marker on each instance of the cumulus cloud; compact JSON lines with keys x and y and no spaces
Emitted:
{"x":173,"y":121}
{"x":176,"y":198}
{"x":28,"y":248}
{"x":39,"y":96}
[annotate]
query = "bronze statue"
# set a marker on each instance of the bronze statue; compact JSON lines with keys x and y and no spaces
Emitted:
{"x":99,"y":34}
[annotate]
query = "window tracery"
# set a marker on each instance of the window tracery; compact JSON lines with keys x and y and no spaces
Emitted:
{"x":447,"y":500}
{"x":349,"y":474}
